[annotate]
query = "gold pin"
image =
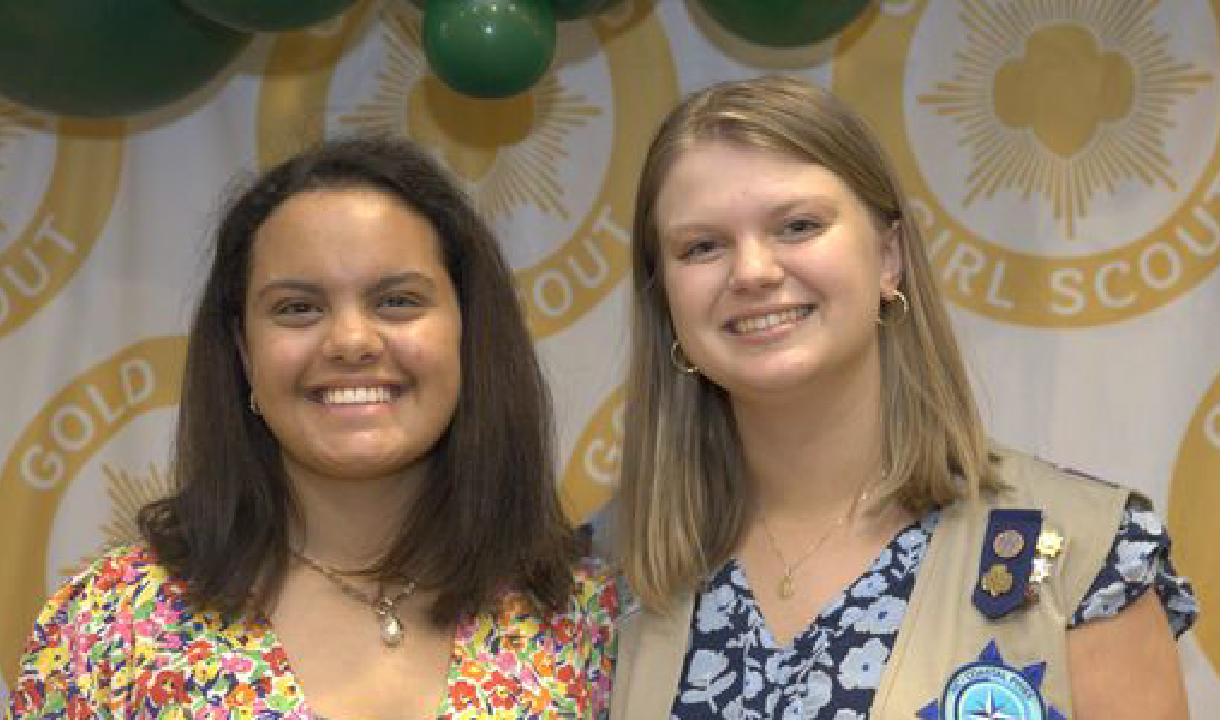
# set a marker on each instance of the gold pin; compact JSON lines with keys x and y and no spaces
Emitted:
{"x":1008,"y":544}
{"x":1050,"y":543}
{"x":997,"y":580}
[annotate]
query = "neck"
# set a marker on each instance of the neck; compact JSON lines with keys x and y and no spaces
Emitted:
{"x":350,"y":524}
{"x":808,"y":457}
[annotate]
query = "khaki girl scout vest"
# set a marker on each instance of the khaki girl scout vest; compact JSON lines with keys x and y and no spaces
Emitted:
{"x":942,"y":631}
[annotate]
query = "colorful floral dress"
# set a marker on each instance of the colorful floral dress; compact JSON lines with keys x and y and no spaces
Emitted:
{"x":120,"y":641}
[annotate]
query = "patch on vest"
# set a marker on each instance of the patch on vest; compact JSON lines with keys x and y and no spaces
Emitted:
{"x":1006,"y":564}
{"x":989,"y":689}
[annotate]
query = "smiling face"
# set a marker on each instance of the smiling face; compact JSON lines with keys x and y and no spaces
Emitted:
{"x":773,"y":268}
{"x":351,"y":334}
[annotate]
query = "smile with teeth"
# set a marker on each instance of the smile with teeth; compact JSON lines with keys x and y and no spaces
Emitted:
{"x":356,"y":395}
{"x":759,"y":323}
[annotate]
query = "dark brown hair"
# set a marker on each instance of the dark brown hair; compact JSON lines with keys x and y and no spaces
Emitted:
{"x":488,"y":515}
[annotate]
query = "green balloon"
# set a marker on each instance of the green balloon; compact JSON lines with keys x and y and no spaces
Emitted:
{"x":783,"y":23}
{"x":268,"y":15}
{"x":576,"y":9}
{"x":489,"y":48}
{"x":107,"y":58}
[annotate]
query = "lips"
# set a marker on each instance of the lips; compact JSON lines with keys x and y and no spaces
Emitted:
{"x":766,"y":321}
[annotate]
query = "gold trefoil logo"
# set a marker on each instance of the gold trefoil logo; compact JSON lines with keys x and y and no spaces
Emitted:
{"x":1018,"y":104}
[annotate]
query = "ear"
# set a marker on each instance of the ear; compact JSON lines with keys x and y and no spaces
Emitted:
{"x":891,"y":258}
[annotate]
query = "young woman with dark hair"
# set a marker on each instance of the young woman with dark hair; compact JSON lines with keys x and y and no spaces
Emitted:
{"x":365,"y":522}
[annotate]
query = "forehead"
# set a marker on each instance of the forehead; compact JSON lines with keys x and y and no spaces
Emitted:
{"x":343,"y":230}
{"x":713,"y":177}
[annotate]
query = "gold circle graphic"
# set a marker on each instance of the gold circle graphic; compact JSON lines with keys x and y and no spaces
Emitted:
{"x":592,"y":471}
{"x":582,"y":270}
{"x":1194,"y":501}
{"x":66,"y":224}
{"x":48,"y":454}
{"x":1026,"y":288}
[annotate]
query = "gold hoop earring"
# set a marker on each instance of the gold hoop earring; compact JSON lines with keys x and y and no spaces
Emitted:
{"x":678,"y":358}
{"x":254,"y":405}
{"x":887,"y":302}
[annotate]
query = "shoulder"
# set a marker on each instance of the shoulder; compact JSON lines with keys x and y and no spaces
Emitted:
{"x":84,"y":625}
{"x":1030,"y":481}
{"x":123,"y":571}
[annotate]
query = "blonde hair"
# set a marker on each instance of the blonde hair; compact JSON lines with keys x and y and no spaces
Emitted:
{"x":682,"y":500}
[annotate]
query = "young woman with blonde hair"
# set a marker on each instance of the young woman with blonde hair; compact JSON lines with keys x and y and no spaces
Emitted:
{"x":812,"y":520}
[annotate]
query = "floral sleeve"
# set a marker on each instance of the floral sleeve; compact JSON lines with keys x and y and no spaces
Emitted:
{"x":1139,"y":560}
{"x":67,"y":664}
{"x":599,"y":601}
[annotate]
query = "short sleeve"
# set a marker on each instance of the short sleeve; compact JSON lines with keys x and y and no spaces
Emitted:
{"x":67,"y":661}
{"x":1139,"y":560}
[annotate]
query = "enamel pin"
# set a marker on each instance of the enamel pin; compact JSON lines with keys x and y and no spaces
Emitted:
{"x":989,"y":689}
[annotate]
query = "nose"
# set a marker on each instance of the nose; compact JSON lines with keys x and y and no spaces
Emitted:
{"x":352,"y":338}
{"x":755,"y":265}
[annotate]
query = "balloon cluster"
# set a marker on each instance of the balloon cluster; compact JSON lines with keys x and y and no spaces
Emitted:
{"x":108,"y":58}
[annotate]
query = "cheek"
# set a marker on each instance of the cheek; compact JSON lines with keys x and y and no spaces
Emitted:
{"x":686,"y":296}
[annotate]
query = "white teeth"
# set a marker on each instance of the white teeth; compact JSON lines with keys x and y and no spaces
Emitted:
{"x":356,"y":396}
{"x":770,"y":320}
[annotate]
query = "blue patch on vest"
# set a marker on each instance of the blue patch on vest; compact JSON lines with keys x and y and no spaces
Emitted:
{"x":1006,"y":560}
{"x":988,"y":689}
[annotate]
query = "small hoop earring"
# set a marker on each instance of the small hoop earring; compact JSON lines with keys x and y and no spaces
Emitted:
{"x":678,"y":358}
{"x":887,"y":302}
{"x":254,"y":405}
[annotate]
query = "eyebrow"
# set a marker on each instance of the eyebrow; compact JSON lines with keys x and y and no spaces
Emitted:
{"x":818,"y":203}
{"x":383,"y":284}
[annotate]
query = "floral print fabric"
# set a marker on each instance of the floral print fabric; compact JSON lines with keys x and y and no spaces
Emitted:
{"x":120,"y":641}
{"x":735,"y":670}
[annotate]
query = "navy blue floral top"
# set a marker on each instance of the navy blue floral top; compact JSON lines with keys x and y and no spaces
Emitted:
{"x":734,"y":669}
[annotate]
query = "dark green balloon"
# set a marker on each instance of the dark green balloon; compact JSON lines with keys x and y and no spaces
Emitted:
{"x":107,"y":58}
{"x":783,"y":23}
{"x":268,"y":15}
{"x":489,"y":48}
{"x":576,"y":9}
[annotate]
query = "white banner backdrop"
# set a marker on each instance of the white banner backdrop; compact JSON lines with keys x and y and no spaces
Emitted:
{"x":1063,"y":156}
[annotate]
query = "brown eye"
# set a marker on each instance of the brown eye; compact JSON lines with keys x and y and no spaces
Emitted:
{"x":402,"y":300}
{"x":296,"y":311}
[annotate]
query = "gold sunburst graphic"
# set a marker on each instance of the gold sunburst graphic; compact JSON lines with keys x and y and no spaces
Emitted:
{"x":506,"y":150}
{"x":128,"y":493}
{"x":1063,"y":99}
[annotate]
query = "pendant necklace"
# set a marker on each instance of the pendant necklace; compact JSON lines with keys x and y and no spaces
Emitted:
{"x":383,"y":605}
{"x":787,"y":584}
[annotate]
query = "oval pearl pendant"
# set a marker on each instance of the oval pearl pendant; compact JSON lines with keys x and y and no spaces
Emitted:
{"x":391,"y":630}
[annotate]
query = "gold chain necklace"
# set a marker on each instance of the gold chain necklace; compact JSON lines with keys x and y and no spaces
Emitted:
{"x":383,"y":605}
{"x":787,"y":584}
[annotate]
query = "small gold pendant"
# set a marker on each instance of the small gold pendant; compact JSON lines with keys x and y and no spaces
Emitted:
{"x":787,"y":588}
